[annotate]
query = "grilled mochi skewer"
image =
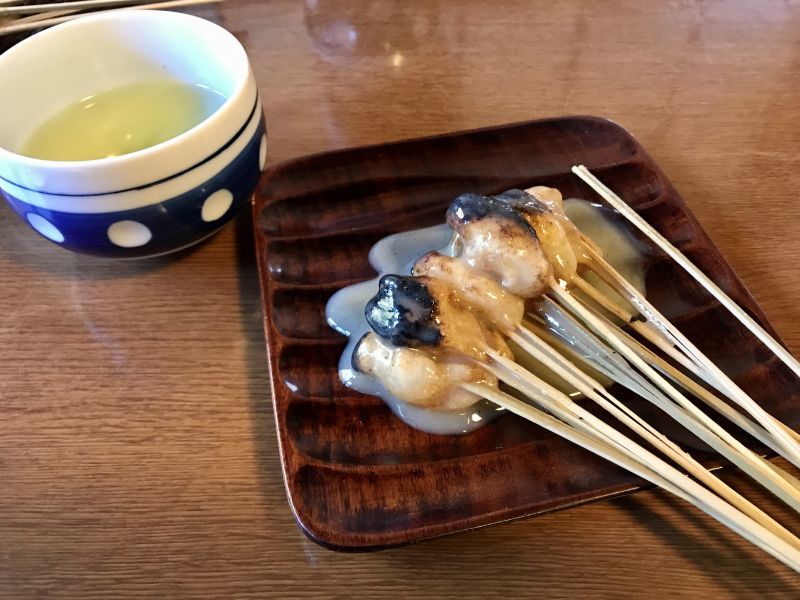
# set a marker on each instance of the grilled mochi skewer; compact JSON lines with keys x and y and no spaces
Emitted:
{"x":644,"y":318}
{"x":429,"y":347}
{"x":406,"y":352}
{"x":504,"y":263}
{"x":492,"y":231}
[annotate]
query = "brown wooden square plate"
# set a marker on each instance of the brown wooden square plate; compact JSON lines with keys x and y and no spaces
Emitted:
{"x":356,"y":476}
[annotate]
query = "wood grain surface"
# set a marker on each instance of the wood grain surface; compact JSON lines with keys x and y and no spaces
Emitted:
{"x":137,"y":444}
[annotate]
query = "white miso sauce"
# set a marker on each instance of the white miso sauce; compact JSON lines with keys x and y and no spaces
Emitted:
{"x":345,"y":313}
{"x":619,"y":247}
{"x":397,"y":254}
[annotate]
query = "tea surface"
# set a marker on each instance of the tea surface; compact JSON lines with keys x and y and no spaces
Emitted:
{"x":122,"y":120}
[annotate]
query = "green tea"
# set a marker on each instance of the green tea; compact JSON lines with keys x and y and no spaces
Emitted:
{"x":122,"y":120}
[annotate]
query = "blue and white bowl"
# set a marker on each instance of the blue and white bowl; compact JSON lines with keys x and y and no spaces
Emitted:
{"x":148,"y":202}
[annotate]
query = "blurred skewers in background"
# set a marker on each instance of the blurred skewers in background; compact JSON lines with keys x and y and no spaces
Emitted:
{"x":25,"y":16}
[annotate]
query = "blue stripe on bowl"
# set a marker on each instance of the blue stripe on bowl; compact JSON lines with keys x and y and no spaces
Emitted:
{"x":174,"y":223}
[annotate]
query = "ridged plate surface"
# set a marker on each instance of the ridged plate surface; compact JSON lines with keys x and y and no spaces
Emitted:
{"x":356,"y":476}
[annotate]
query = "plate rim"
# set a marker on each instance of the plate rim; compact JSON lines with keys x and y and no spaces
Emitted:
{"x":262,"y":199}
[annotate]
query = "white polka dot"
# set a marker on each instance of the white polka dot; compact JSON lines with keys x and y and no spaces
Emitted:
{"x":216,"y":205}
{"x":262,"y":153}
{"x":45,"y":227}
{"x":129,"y":234}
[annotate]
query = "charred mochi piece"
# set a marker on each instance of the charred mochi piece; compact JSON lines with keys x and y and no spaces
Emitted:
{"x":469,"y":208}
{"x":404,"y":312}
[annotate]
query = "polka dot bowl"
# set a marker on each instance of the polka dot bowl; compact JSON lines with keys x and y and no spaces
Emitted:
{"x":153,"y":201}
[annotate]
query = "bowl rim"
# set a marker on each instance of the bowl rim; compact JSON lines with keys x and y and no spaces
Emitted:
{"x":240,"y":89}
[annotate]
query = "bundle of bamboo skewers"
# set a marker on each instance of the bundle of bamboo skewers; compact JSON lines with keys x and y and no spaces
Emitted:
{"x":18,"y":16}
{"x":410,"y":314}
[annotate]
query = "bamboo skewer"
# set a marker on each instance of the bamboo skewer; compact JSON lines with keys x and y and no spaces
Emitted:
{"x":644,"y":328}
{"x":659,"y":332}
{"x":653,"y":360}
{"x":697,"y":496}
{"x":554,"y":401}
{"x":563,"y":407}
{"x":686,"y":382}
{"x":539,"y":350}
{"x":722,"y":382}
{"x":27,"y":9}
{"x":41,"y":17}
{"x":19,"y":25}
{"x":717,"y":404}
{"x":532,"y":386}
{"x":698,"y":429}
{"x":698,"y":423}
{"x":667,"y":369}
{"x":685,"y":419}
{"x":725,"y":384}
{"x":731,"y":448}
{"x":700,"y":392}
{"x":653,"y":331}
{"x":626,"y":211}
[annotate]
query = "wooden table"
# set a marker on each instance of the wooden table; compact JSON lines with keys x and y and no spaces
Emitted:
{"x":137,"y":443}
